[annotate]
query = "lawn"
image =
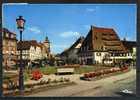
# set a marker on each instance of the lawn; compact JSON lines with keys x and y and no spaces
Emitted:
{"x":52,"y":70}
{"x":48,"y":70}
{"x":80,"y":70}
{"x":85,"y":69}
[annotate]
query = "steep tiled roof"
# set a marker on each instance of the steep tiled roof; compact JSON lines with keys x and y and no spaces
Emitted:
{"x":102,"y":39}
{"x":25,"y":45}
{"x":6,"y":31}
{"x":129,"y":44}
{"x":75,"y":45}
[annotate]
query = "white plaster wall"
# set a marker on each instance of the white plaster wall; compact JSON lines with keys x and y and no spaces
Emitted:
{"x":32,"y":53}
{"x":99,"y":59}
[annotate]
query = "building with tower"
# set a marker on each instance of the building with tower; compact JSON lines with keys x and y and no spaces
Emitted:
{"x":46,"y":48}
{"x":33,"y":50}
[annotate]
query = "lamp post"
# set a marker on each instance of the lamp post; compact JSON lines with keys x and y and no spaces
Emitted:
{"x":20,"y":26}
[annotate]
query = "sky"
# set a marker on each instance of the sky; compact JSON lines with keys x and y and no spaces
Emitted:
{"x":65,"y":23}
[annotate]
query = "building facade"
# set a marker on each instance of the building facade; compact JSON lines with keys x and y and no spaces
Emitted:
{"x":131,"y":47}
{"x":32,"y":50}
{"x":102,"y":46}
{"x":46,"y":48}
{"x":9,"y":48}
{"x":70,"y":55}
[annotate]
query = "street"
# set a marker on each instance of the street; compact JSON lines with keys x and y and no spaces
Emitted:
{"x":110,"y":86}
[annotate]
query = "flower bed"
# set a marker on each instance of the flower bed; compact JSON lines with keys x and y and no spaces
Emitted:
{"x":36,"y":75}
{"x":105,"y":72}
{"x":40,"y":86}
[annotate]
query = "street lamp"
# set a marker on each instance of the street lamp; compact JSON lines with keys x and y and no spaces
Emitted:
{"x":20,"y":26}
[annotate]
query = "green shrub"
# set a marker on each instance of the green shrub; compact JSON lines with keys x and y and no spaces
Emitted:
{"x":26,"y":76}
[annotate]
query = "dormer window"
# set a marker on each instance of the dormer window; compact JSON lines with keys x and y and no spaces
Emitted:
{"x":12,"y":36}
{"x":96,"y":37}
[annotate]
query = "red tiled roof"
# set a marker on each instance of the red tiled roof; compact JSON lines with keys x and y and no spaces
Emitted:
{"x":5,"y":30}
{"x":102,"y":39}
{"x":25,"y":45}
{"x":129,"y":44}
{"x":79,"y":40}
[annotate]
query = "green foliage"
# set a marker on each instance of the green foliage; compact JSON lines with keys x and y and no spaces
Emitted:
{"x":26,"y":76}
{"x":85,"y":69}
{"x":48,"y":70}
{"x":82,"y":69}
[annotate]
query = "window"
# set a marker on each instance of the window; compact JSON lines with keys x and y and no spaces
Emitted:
{"x":111,"y":34}
{"x":13,"y":36}
{"x":128,"y":54}
{"x":96,"y":37}
{"x":11,"y":43}
{"x":102,"y":48}
{"x":98,"y":54}
{"x":124,"y":54}
{"x":104,"y":34}
{"x":112,"y":54}
{"x":7,"y":35}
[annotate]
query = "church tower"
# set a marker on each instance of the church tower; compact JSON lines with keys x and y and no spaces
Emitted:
{"x":47,"y":44}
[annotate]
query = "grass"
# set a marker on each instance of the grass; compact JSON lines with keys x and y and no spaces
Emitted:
{"x":48,"y":70}
{"x":26,"y":76}
{"x":53,"y":70}
{"x":80,"y":70}
{"x":86,"y":69}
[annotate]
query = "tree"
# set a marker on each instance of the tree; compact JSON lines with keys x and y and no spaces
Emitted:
{"x":52,"y":61}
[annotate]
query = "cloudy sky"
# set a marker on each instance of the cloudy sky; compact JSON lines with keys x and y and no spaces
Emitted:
{"x":64,"y":23}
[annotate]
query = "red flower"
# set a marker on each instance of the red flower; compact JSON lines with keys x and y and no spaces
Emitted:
{"x":93,"y":74}
{"x":86,"y":75}
{"x":36,"y":75}
{"x":90,"y":75}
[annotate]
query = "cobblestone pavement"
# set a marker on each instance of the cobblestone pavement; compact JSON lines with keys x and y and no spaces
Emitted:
{"x":109,"y":86}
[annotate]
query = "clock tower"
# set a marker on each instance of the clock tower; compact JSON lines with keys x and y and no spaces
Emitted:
{"x":47,"y":44}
